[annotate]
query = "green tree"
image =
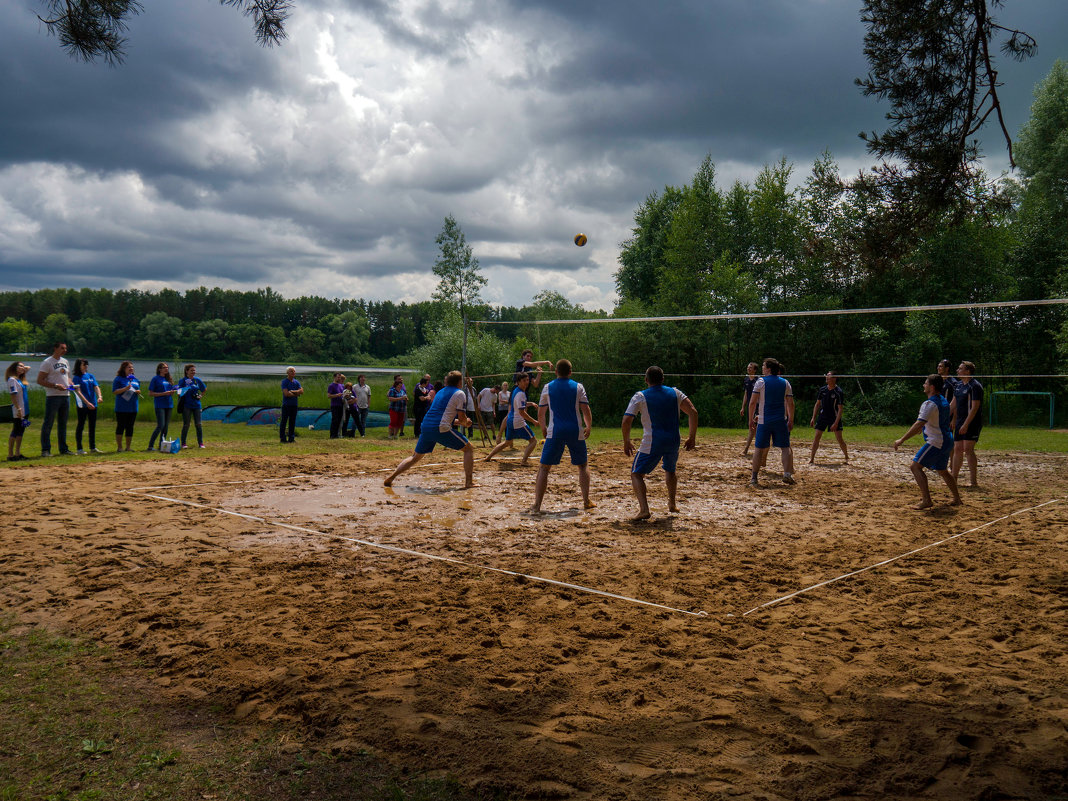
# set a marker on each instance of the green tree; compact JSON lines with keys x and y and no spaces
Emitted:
{"x":307,"y":343}
{"x":159,"y":334}
{"x":1042,"y":146}
{"x":256,"y":342}
{"x":485,"y":353}
{"x":94,"y":335}
{"x":457,"y":268}
{"x":19,"y":336}
{"x":56,"y":328}
{"x":932,"y":60}
{"x":92,"y":29}
{"x":346,"y":336}
{"x":208,"y":339}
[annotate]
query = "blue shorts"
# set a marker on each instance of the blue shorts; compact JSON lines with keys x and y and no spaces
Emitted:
{"x":777,"y":434}
{"x":450,"y":439}
{"x":645,"y":462}
{"x":933,"y":458}
{"x":553,"y":450}
{"x":518,"y":433}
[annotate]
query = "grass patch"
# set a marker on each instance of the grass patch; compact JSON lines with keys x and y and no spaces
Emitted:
{"x":77,"y":724}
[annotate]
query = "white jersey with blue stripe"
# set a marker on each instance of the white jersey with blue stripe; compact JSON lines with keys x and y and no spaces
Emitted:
{"x":773,"y":391}
{"x":935,"y":414}
{"x":660,"y":410}
{"x":518,"y":402}
{"x":564,"y":398}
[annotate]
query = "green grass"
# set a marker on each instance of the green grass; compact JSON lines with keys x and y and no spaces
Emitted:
{"x":232,"y":439}
{"x":78,"y":723}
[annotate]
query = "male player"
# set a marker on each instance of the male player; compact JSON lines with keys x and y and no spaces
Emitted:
{"x":949,"y":381}
{"x":934,"y":419}
{"x":827,"y":414}
{"x":967,"y":421}
{"x":771,"y":414}
{"x":659,"y":407}
{"x":448,"y":405}
{"x":526,"y":364}
{"x":564,"y":401}
{"x":518,"y":422}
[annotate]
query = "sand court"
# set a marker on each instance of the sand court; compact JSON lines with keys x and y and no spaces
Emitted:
{"x":414,"y":620}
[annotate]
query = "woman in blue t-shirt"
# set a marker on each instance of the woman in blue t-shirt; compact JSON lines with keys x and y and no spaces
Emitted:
{"x":126,"y":389}
{"x":87,"y":397}
{"x":162,"y":391}
{"x":191,"y":389}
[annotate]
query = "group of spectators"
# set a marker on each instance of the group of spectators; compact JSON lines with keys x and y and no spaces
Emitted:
{"x":61,"y":383}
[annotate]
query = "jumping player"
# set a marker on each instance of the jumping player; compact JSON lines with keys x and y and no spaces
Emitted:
{"x":747,"y":385}
{"x":659,"y":407}
{"x":827,"y":415}
{"x":967,"y":421}
{"x":448,"y":405}
{"x":526,"y":364}
{"x":934,"y":419}
{"x":564,"y":401}
{"x":771,"y":414}
{"x":518,"y":421}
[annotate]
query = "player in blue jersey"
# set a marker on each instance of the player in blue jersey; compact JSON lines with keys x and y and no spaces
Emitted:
{"x":448,"y":405}
{"x":563,"y":401}
{"x":967,"y":421}
{"x":518,"y":422}
{"x":660,"y":408}
{"x":771,"y":415}
{"x":935,"y":419}
{"x":827,"y":415}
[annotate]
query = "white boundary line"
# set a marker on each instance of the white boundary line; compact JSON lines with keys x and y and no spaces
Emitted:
{"x":895,"y":558}
{"x":391,"y":548}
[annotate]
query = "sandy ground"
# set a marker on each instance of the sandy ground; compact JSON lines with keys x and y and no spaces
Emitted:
{"x":939,"y":676}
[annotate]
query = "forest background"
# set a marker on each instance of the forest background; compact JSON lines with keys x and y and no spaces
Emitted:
{"x":775,"y":245}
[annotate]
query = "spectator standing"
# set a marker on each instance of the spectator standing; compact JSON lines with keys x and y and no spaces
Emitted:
{"x":162,"y":391}
{"x":54,"y":376}
{"x":291,"y":392}
{"x":87,"y":398}
{"x":126,"y":389}
{"x":424,"y":393}
{"x":336,"y":393}
{"x":191,"y":389}
{"x":398,"y":408}
{"x":362,"y":395}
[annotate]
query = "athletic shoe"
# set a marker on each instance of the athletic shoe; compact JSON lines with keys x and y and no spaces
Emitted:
{"x":12,"y":458}
{"x":45,"y":454}
{"x":202,"y":445}
{"x":66,"y":453}
{"x":150,"y":449}
{"x":754,"y":483}
{"x":788,"y":479}
{"x":96,"y":450}
{"x":81,"y":452}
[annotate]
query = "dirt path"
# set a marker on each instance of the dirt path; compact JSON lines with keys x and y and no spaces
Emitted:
{"x":942,"y":675}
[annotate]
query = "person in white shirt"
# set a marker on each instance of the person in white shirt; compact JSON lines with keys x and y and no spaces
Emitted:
{"x":54,"y":376}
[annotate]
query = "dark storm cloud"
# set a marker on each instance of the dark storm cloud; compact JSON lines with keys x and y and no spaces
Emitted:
{"x":208,"y":159}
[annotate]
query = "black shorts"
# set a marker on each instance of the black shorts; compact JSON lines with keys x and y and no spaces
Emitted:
{"x":124,"y":423}
{"x":824,"y":423}
{"x":970,"y":434}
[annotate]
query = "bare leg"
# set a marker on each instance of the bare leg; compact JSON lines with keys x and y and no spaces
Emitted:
{"x":672,"y":482}
{"x":584,"y":486}
{"x":957,"y":458}
{"x":526,"y":454}
{"x":500,"y":446}
{"x":540,"y":483}
{"x":118,"y":442}
{"x":842,"y":445}
{"x":748,"y":442}
{"x":815,"y":446}
{"x":973,"y":463}
{"x":759,"y":455}
{"x":405,"y":464}
{"x":921,"y":481}
{"x":129,"y":442}
{"x":952,"y":484}
{"x":637,"y":481}
{"x":469,"y":466}
{"x":787,"y":461}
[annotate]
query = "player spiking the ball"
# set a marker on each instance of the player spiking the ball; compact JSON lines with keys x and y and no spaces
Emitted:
{"x":448,"y":405}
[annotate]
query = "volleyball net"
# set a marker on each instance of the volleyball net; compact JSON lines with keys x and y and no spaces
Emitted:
{"x":881,"y":356}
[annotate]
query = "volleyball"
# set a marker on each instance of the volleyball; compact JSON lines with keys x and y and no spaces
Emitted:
{"x":580,"y":239}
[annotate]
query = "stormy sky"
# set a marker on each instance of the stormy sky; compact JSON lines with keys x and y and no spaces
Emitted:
{"x":327,"y":165}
